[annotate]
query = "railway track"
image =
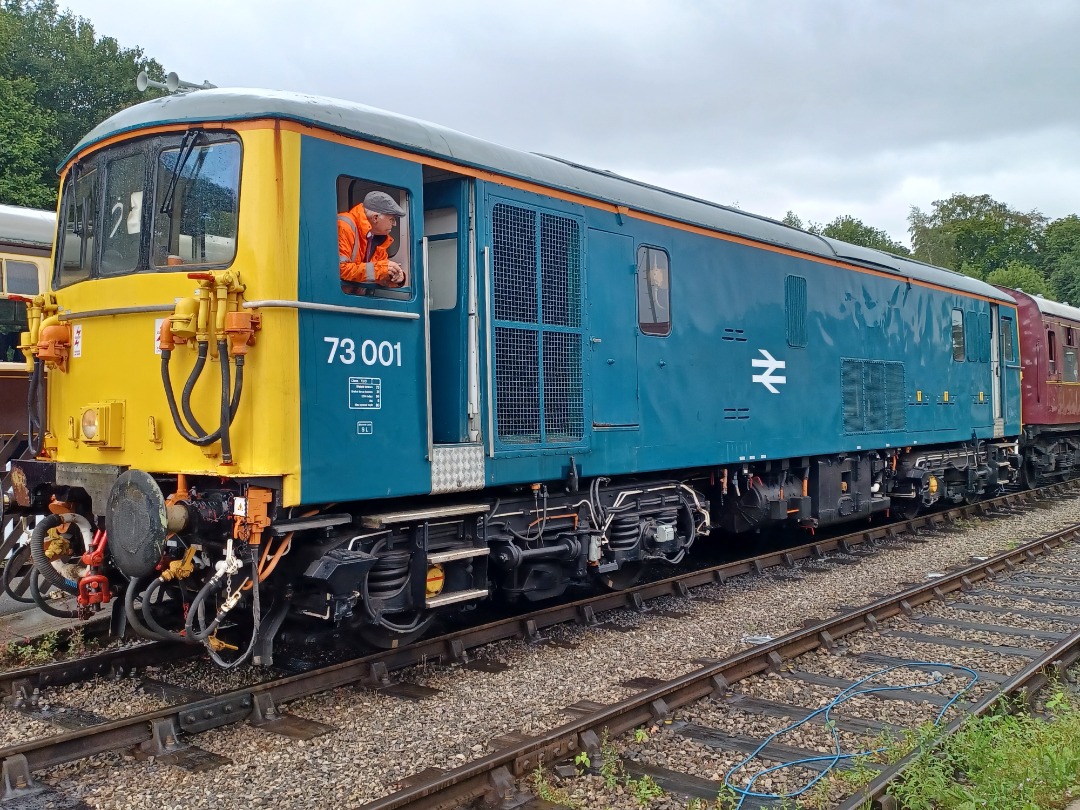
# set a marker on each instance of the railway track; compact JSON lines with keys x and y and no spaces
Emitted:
{"x":732,"y":686}
{"x":162,"y":733}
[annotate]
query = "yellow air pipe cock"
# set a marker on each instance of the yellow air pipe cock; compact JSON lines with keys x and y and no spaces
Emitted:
{"x":183,"y":322}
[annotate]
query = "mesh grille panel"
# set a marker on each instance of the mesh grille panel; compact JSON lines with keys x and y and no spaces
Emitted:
{"x":895,"y":396}
{"x":560,"y":270}
{"x":537,"y":284}
{"x":851,"y":393}
{"x":513,"y":232}
{"x":517,"y":385}
{"x":562,"y":386}
{"x":795,"y":307}
{"x":874,"y":396}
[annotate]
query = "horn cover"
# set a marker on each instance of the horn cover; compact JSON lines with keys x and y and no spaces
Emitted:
{"x":135,"y":522}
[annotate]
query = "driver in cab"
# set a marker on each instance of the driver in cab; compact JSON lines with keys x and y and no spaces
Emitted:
{"x":364,"y":238}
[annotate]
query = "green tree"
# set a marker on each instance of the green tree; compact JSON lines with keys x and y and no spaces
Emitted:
{"x":976,"y":234}
{"x":1062,"y":238}
{"x":849,"y":229}
{"x":27,"y":142}
{"x":792,"y":219}
{"x":76,"y":77}
{"x":1020,"y":276}
{"x":1065,"y":280}
{"x":930,"y":242}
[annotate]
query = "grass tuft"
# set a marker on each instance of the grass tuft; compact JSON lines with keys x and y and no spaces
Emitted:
{"x":1002,"y":761}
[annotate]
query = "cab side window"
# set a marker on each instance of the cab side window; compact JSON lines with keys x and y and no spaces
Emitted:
{"x":958,"y":351}
{"x":368,"y":254}
{"x":654,"y":291}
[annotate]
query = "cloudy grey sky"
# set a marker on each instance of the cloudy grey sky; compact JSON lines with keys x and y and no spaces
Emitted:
{"x":824,"y":107}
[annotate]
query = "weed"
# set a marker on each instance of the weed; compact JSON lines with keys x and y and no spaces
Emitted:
{"x":640,"y":735}
{"x":1002,"y":761}
{"x":644,"y":790}
{"x":46,"y":648}
{"x":31,"y":652}
{"x":614,"y":773}
{"x":727,"y":798}
{"x":583,"y":761}
{"x":77,"y":643}
{"x":549,"y":792}
{"x":818,"y":797}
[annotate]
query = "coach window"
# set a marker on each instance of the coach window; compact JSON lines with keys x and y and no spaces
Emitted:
{"x":654,"y":291}
{"x":1051,"y":351}
{"x":1071,"y":371}
{"x":958,"y":335}
{"x":1069,"y":336}
{"x":20,"y":278}
{"x":361,"y":277}
{"x":1008,"y":349}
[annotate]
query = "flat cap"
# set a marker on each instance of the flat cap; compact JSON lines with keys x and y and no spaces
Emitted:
{"x":379,"y":202}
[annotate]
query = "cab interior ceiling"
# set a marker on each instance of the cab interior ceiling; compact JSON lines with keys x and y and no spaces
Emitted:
{"x":433,"y":174}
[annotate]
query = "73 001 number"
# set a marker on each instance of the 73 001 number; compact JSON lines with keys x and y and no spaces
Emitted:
{"x":343,"y":350}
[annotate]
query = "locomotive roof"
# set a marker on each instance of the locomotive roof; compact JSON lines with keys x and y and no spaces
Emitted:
{"x":27,"y":227}
{"x":421,"y":137}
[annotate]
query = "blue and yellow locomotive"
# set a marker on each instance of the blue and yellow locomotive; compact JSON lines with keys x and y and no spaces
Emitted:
{"x":580,"y":375}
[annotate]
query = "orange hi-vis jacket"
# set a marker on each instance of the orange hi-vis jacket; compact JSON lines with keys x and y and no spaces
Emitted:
{"x":362,"y":257}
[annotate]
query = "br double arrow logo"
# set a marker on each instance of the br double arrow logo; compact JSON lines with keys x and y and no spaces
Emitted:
{"x":771,"y":365}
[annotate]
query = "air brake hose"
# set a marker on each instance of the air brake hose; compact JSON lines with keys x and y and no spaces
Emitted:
{"x":41,"y":562}
{"x":196,"y":608}
{"x":166,"y":379}
{"x":134,"y":589}
{"x":35,"y":408}
{"x":153,"y":623}
{"x":189,"y":386}
{"x":42,"y":601}
{"x":226,"y":415}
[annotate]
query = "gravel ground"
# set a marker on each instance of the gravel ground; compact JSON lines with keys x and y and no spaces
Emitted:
{"x":379,"y":740}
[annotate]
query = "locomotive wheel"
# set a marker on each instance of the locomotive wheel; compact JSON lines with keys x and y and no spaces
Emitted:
{"x":1028,"y":478}
{"x":383,"y":638}
{"x":626,"y":576}
{"x":906,"y":508}
{"x":970,"y":497}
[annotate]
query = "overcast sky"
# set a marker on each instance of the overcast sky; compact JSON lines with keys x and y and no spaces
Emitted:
{"x":823,"y":107}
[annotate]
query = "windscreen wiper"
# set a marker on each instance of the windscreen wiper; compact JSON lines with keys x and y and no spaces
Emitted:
{"x":187,"y":146}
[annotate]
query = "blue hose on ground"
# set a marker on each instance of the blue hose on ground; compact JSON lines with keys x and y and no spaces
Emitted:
{"x":833,"y":760}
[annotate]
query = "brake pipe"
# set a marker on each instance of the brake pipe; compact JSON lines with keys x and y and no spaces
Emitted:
{"x":148,"y":616}
{"x":189,"y":386}
{"x":229,"y":407}
{"x":135,"y":588}
{"x":215,"y":310}
{"x":226,"y":415}
{"x":35,"y":408}
{"x":37,"y":548}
